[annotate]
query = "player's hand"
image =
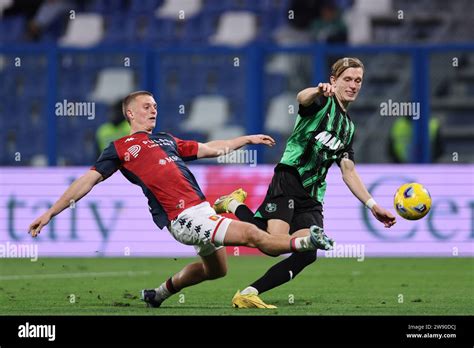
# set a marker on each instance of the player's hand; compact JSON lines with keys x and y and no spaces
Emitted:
{"x":37,"y":225}
{"x":384,"y":216}
{"x":326,"y":89}
{"x":261,"y":139}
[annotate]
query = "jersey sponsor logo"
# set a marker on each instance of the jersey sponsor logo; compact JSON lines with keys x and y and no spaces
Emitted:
{"x":329,"y":140}
{"x":157,"y":142}
{"x":129,"y":139}
{"x":169,"y":159}
{"x":134,"y":150}
{"x":271,"y":207}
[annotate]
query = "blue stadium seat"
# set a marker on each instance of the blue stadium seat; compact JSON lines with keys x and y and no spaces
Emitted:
{"x":9,"y":109}
{"x":144,"y":6}
{"x":268,"y":22}
{"x":77,"y":146}
{"x":211,"y":6}
{"x":105,"y":6}
{"x":163,"y":31}
{"x":274,"y":84}
{"x":31,"y":143}
{"x":8,"y":83}
{"x":12,"y":29}
{"x":54,"y":31}
{"x":36,"y":85}
{"x":245,"y":5}
{"x":119,"y":28}
{"x":194,"y":30}
{"x":76,"y":85}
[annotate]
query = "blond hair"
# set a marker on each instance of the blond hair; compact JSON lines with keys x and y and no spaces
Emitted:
{"x":129,"y":98}
{"x":345,"y":63}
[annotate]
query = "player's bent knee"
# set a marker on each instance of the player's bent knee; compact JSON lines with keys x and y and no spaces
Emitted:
{"x":215,"y":274}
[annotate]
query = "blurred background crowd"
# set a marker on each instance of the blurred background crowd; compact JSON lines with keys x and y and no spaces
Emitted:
{"x":223,"y":68}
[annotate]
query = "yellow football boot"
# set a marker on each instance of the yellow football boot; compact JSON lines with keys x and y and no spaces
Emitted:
{"x":221,"y":205}
{"x":249,"y":301}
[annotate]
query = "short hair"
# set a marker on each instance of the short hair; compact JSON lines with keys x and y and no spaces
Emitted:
{"x":345,"y":63}
{"x":129,"y":98}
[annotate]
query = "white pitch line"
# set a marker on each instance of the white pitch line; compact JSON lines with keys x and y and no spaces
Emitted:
{"x":73,"y":275}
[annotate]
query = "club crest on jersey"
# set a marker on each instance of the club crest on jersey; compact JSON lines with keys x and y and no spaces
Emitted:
{"x":271,"y":207}
{"x":134,"y":150}
{"x":329,"y":140}
{"x":214,"y":217}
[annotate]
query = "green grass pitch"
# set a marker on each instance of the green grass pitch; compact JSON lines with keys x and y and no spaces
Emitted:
{"x":110,"y":286}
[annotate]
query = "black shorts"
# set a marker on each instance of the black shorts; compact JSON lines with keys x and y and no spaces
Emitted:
{"x":287,"y":200}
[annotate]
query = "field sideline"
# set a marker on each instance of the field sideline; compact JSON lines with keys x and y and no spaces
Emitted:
{"x":106,"y":286}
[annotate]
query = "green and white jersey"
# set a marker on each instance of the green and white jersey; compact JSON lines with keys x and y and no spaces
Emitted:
{"x":323,"y":134}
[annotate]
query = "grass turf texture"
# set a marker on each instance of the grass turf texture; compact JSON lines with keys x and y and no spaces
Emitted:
{"x":102,"y":286}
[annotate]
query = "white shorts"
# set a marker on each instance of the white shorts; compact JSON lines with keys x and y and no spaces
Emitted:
{"x":200,"y":226}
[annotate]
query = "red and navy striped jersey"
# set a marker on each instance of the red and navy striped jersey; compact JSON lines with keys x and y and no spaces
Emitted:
{"x":155,"y":162}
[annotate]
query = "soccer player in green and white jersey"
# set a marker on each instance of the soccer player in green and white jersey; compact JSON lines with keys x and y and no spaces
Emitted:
{"x":323,"y":134}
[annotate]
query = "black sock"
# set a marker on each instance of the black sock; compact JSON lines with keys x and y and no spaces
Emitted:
{"x":280,"y":273}
{"x":245,"y":214}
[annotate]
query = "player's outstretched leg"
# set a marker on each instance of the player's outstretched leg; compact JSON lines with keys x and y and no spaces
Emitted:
{"x":281,"y":273}
{"x":213,"y":266}
{"x":242,"y":233}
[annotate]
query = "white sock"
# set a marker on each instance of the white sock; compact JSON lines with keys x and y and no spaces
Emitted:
{"x":162,"y":292}
{"x":303,"y":244}
{"x":249,"y":290}
{"x":233,"y":204}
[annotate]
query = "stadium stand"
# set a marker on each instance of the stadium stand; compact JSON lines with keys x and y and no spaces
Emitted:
{"x":113,"y":84}
{"x":207,"y":113}
{"x":174,"y":8}
{"x":85,"y":30}
{"x":225,"y":73}
{"x":226,"y":33}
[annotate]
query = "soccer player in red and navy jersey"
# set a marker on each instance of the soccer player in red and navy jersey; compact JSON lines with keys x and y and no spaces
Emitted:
{"x":156,"y":163}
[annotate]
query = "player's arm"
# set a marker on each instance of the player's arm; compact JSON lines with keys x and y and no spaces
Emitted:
{"x":308,"y":95}
{"x":78,"y":189}
{"x":354,"y":183}
{"x":218,"y":148}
